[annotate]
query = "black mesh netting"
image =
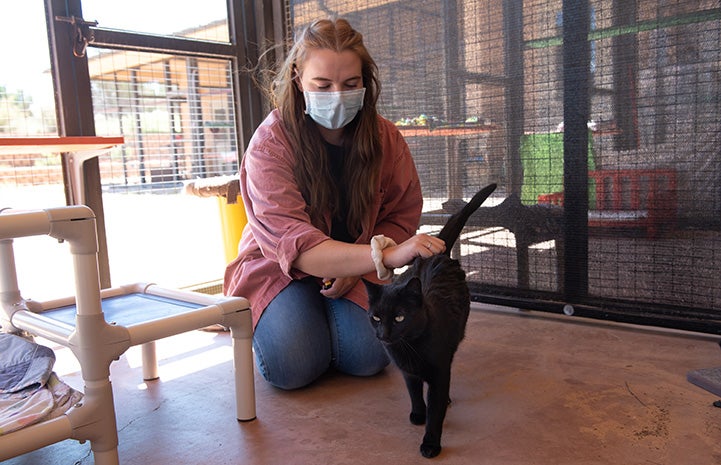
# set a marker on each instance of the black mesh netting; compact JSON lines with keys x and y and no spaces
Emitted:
{"x":477,"y":87}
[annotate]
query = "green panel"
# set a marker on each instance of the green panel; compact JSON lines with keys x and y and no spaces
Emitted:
{"x":542,"y":158}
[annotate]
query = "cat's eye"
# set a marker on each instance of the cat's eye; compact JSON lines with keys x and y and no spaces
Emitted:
{"x":399,"y":318}
{"x":375,"y":318}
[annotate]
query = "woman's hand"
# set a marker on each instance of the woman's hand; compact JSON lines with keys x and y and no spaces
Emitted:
{"x":339,"y":286}
{"x":340,"y":259}
{"x":420,"y":245}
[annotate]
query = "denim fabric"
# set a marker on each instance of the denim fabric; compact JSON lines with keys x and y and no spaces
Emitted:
{"x":23,"y":364}
{"x":302,"y":334}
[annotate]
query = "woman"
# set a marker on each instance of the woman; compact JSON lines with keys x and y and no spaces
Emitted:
{"x":329,"y":189}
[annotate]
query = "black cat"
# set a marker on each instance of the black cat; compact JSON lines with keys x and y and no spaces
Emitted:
{"x":421,"y":318}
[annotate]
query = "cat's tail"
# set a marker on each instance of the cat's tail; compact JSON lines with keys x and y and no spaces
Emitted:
{"x":455,"y":223}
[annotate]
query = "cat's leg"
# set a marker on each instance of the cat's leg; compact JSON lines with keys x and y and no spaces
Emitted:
{"x":418,"y":405}
{"x":438,"y":396}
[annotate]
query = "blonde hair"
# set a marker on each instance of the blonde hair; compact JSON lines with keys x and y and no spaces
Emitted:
{"x":363,"y":147}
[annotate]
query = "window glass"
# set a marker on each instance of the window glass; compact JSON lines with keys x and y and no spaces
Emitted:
{"x":26,"y":90}
{"x":183,"y":18}
{"x":176,"y":115}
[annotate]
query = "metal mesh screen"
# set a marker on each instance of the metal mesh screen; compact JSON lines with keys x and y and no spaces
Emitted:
{"x":660,"y":86}
{"x":477,"y":88}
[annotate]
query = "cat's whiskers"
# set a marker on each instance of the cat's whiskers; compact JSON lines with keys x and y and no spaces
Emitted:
{"x":410,"y":353}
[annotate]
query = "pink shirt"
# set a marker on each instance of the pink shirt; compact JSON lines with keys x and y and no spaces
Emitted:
{"x":279,"y":227}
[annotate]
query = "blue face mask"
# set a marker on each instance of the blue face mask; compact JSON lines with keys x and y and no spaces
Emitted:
{"x":333,"y":110}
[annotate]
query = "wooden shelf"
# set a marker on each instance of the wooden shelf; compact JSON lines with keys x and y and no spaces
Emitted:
{"x":50,"y":144}
{"x":445,"y":131}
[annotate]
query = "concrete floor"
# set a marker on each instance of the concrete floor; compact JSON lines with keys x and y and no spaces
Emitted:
{"x":528,"y":388}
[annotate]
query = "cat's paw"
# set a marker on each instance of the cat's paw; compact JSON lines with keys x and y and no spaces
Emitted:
{"x":418,"y":418}
{"x":430,"y":450}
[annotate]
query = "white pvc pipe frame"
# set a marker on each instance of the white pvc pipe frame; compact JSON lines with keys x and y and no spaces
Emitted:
{"x":97,"y":343}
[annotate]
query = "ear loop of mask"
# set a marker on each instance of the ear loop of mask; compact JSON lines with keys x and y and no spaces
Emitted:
{"x":295,"y":76}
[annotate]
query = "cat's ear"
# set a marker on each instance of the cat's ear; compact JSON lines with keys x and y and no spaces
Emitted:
{"x":373,"y":290}
{"x":413,"y":288}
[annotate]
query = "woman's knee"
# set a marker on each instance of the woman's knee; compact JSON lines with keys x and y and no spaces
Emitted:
{"x":290,"y":365}
{"x":356,"y":350}
{"x":292,"y":339}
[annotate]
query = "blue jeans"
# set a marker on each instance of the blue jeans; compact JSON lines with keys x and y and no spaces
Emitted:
{"x":302,"y":334}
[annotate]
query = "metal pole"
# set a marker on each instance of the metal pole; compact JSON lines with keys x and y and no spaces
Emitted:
{"x":576,"y":109}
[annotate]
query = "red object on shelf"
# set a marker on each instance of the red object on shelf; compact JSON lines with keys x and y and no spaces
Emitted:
{"x":644,"y":198}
